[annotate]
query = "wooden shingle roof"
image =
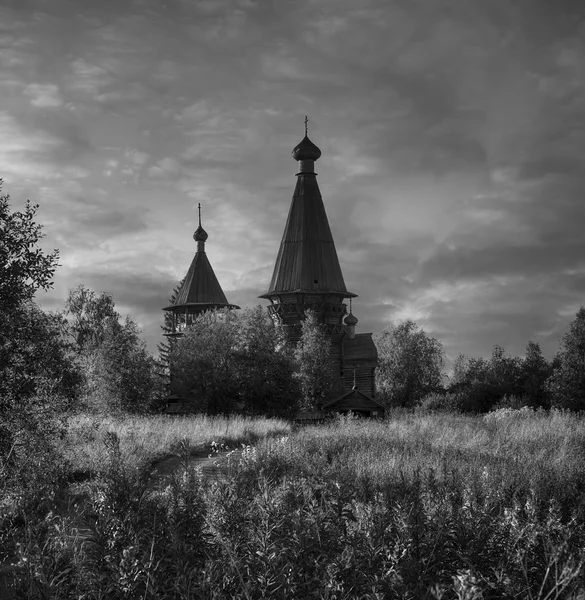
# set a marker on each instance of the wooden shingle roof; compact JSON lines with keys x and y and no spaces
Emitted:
{"x":361,"y":348}
{"x":354,"y":399}
{"x":200,"y":287}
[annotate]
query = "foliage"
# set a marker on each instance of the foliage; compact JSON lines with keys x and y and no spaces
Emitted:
{"x":127,"y":378}
{"x":229,"y":361}
{"x":144,"y":439}
{"x":119,"y":373}
{"x":25,"y":267}
{"x":315,"y":372}
{"x":536,"y":371}
{"x":449,"y":402}
{"x":264,"y":366}
{"x":164,"y":347}
{"x":88,"y":317}
{"x":483,"y":384}
{"x":350,"y":510}
{"x":202,"y":362}
{"x":410,"y":364}
{"x":566,"y":385}
{"x":35,"y":364}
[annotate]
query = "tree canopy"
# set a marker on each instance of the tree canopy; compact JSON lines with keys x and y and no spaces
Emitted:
{"x":35,"y":368}
{"x":235,"y":361}
{"x":410,"y":364}
{"x":118,"y":372}
{"x":314,"y":371}
{"x":566,"y":385}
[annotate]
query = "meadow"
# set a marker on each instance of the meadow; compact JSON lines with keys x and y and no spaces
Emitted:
{"x":420,"y":505}
{"x":144,"y":440}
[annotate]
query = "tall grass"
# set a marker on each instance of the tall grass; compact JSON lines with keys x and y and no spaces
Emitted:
{"x":145,"y":439}
{"x":537,"y":450}
{"x":417,"y":506}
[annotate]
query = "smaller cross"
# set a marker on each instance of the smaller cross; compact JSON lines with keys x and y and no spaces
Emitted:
{"x":306,"y":121}
{"x":199,"y":208}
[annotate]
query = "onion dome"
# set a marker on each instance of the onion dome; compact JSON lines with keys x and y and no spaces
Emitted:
{"x":351,"y":320}
{"x":200,"y":234}
{"x":306,"y":150}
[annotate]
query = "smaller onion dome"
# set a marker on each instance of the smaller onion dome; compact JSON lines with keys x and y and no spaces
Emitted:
{"x":200,"y":235}
{"x":351,"y":320}
{"x":306,"y":150}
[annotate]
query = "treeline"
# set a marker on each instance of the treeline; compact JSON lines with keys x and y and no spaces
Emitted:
{"x":232,"y":361}
{"x":411,"y":373}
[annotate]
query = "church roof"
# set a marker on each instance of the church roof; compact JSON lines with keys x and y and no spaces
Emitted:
{"x":354,"y":398}
{"x":360,"y":348}
{"x":307,"y":260}
{"x":200,"y":288}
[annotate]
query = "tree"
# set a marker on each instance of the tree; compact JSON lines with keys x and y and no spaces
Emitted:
{"x":480,"y":384}
{"x":34,"y":364}
{"x":25,"y":268}
{"x":410,"y":364}
{"x":265,"y":366}
{"x":458,"y":376}
{"x":566,"y":385}
{"x":203,"y":360}
{"x":505,"y":374}
{"x":228,"y":361}
{"x":536,"y":370}
{"x":88,"y":317}
{"x":164,"y":347}
{"x":119,"y":373}
{"x":315,"y":372}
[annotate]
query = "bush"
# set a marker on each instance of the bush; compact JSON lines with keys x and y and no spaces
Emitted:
{"x":512,"y":402}
{"x":446,"y":402}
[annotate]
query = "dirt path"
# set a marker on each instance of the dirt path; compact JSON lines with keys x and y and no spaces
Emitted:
{"x":209,"y":465}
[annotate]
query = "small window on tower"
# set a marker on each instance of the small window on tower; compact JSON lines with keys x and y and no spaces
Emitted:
{"x":315,"y":281}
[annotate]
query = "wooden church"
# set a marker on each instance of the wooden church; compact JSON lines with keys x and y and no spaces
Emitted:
{"x":307,"y":276}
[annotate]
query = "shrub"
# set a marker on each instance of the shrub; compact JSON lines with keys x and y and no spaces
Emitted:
{"x":447,"y":402}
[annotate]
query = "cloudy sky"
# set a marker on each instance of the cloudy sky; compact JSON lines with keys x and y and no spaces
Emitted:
{"x":452,"y":132}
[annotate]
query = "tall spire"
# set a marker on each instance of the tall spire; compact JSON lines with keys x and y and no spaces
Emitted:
{"x":307,"y":260}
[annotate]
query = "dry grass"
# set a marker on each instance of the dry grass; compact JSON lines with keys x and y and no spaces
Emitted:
{"x":144,"y":439}
{"x":533,"y":450}
{"x":430,"y":506}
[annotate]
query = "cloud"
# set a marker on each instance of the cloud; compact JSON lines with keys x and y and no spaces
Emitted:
{"x":24,"y":153}
{"x":44,"y":95}
{"x":165,"y":168}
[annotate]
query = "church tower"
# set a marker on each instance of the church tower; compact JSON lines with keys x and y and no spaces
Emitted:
{"x":307,"y":275}
{"x":200,"y":290}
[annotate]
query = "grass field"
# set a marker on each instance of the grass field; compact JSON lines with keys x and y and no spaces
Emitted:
{"x":417,"y":506}
{"x":145,"y":439}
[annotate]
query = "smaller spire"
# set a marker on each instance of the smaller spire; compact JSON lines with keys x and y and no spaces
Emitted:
{"x":350,"y":322}
{"x":306,"y":125}
{"x":200,"y":235}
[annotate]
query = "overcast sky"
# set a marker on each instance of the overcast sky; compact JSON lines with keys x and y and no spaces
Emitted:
{"x":452,"y":132}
